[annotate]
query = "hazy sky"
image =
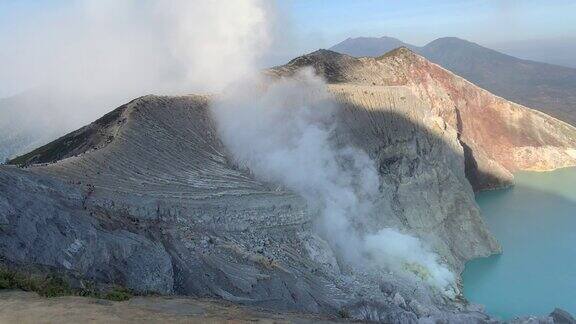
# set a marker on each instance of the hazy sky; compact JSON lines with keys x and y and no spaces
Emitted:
{"x":322,"y":23}
{"x":535,"y":29}
{"x":326,"y":22}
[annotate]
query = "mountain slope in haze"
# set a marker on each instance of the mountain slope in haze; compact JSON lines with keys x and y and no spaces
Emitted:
{"x":369,"y":46}
{"x":23,"y":126}
{"x":558,"y":51}
{"x":498,"y":136}
{"x":546,"y":87}
{"x":37,"y":116}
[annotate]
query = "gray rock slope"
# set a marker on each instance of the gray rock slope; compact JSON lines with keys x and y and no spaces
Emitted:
{"x":37,"y":116}
{"x":146,"y":197}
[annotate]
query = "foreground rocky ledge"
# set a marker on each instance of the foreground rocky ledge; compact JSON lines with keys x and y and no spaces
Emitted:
{"x":148,"y":198}
{"x":27,"y":307}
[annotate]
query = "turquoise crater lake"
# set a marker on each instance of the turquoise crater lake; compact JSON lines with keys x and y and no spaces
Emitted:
{"x":535,"y":221}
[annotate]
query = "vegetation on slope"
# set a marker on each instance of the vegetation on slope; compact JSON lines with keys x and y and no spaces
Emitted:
{"x":56,"y":286}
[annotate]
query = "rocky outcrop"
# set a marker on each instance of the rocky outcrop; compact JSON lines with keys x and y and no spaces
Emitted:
{"x":498,"y":136}
{"x":147,"y":197}
{"x":45,"y":223}
{"x":155,"y":205}
{"x":562,"y":316}
{"x":421,"y":165}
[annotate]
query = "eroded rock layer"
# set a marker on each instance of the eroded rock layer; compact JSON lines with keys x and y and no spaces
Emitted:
{"x":498,"y":136}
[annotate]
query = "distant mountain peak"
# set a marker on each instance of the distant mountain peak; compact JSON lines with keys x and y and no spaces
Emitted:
{"x":455,"y":43}
{"x":324,"y":52}
{"x":401,"y":51}
{"x":380,"y":38}
{"x":369,"y":46}
{"x":450,"y":39}
{"x":318,"y":56}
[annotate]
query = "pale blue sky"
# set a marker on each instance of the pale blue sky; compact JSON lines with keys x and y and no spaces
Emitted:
{"x":543,"y":30}
{"x":325,"y":22}
{"x":321,"y":23}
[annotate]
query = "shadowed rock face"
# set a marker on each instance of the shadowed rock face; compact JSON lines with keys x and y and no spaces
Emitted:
{"x":498,"y":136}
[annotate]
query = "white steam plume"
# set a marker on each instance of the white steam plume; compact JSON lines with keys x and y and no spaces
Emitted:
{"x":89,"y":56}
{"x":70,"y":62}
{"x":283,"y":131}
{"x":119,"y":46}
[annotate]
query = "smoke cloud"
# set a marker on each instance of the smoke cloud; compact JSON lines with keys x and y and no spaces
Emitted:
{"x":284,"y":132}
{"x":68,"y":63}
{"x":110,"y":46}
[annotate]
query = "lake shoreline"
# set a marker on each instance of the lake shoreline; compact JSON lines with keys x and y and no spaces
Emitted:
{"x":532,"y":220}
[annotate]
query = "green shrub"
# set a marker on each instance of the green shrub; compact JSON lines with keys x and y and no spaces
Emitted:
{"x":118,"y":294}
{"x":6,"y":279}
{"x":89,"y":290}
{"x":47,"y":286}
{"x":53,"y":286}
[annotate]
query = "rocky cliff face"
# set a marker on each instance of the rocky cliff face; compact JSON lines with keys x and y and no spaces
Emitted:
{"x":145,"y":197}
{"x":148,"y":197}
{"x":498,"y":136}
{"x":546,"y":87}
